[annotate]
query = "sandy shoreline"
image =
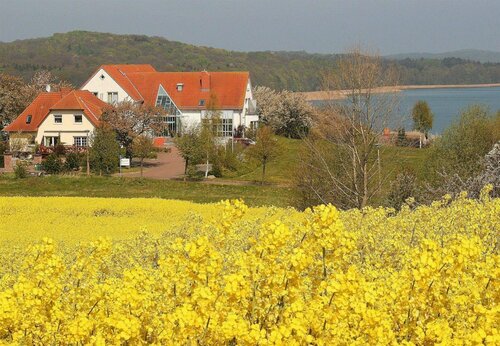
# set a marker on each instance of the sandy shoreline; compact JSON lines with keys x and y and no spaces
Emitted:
{"x":341,"y":94}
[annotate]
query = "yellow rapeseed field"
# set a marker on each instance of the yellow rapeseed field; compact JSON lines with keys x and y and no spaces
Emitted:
{"x":148,"y":271}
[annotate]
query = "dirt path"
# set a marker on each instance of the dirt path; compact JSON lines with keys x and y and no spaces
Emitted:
{"x":165,"y":166}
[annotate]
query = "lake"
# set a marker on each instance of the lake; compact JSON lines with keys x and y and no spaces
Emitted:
{"x":446,"y":103}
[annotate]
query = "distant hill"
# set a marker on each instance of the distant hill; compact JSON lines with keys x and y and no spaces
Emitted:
{"x":483,"y":56}
{"x":73,"y":56}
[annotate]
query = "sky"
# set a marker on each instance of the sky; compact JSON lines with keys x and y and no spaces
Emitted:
{"x":322,"y":26}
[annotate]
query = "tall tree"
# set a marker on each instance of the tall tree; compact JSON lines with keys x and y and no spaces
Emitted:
{"x":188,"y":144}
{"x":104,"y":150}
{"x":210,"y":130}
{"x":462,"y":146}
{"x":130,"y":120}
{"x":12,"y":98}
{"x":287,"y":113}
{"x":142,"y":147}
{"x":422,"y":119}
{"x":41,"y":80}
{"x":342,"y":163}
{"x":266,"y":148}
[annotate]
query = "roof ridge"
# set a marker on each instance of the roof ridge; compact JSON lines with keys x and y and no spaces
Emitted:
{"x":125,"y":75}
{"x":87,"y":107}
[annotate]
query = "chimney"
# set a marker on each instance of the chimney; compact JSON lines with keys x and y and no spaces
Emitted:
{"x":205,"y":81}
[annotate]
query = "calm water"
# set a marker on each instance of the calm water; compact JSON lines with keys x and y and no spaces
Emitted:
{"x":447,"y":103}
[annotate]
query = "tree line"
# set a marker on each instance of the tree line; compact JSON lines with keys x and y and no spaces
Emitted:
{"x":75,"y":55}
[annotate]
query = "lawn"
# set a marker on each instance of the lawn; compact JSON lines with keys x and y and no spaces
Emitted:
{"x":282,"y":169}
{"x":134,"y":187}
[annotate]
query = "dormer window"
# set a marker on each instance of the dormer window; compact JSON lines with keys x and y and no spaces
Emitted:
{"x":202,"y":102}
{"x":180,"y":86}
{"x":28,"y":119}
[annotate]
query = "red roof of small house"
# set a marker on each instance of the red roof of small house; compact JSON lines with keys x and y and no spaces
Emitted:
{"x":120,"y":72}
{"x":66,"y":99}
{"x":228,"y":87}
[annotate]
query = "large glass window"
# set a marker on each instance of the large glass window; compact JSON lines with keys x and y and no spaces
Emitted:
{"x":173,"y":114}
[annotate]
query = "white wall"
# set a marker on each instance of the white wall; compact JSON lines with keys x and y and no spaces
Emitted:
{"x":67,"y":129}
{"x":103,"y":86}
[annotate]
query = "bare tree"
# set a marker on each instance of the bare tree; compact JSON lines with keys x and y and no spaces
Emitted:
{"x":210,"y":130}
{"x":130,"y":120}
{"x":342,"y":164}
{"x":12,"y":98}
{"x":40,"y":81}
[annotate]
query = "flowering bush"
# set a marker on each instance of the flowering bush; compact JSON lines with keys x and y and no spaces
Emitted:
{"x":228,"y":274}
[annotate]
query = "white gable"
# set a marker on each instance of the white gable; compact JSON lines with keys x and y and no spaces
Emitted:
{"x":102,"y":84}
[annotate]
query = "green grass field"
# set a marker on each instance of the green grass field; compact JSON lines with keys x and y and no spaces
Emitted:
{"x":282,"y":169}
{"x":134,"y":187}
{"x":242,"y":184}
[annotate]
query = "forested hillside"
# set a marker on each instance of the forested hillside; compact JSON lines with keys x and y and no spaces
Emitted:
{"x":75,"y":55}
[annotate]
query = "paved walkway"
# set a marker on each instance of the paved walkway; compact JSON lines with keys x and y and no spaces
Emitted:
{"x":165,"y":166}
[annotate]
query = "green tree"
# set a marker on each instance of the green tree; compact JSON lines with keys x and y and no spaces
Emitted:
{"x":266,"y":148}
{"x":142,"y":147}
{"x":188,"y":144}
{"x":422,"y":119}
{"x":104,"y":151}
{"x":463,"y":145}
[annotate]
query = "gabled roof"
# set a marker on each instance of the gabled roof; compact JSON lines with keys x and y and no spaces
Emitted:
{"x":141,"y":83}
{"x":82,"y":100}
{"x":229,"y":88}
{"x":120,"y":72}
{"x":45,"y":102}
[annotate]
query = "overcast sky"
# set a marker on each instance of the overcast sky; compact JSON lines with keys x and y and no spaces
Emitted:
{"x":326,"y":26}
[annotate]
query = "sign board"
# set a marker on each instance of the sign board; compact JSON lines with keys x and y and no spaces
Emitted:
{"x":125,"y":162}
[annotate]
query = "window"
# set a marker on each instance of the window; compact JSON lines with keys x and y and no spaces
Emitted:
{"x":95,"y":93}
{"x":227,"y":127}
{"x":180,"y":86}
{"x":102,"y":77}
{"x":221,"y":127}
{"x":51,"y":141}
{"x":113,"y":97}
{"x":78,"y":118}
{"x":202,"y":102}
{"x":170,"y":128}
{"x":57,"y":119}
{"x":28,"y":119}
{"x":80,"y":141}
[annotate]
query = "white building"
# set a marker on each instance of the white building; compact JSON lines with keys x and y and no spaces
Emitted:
{"x":185,"y":95}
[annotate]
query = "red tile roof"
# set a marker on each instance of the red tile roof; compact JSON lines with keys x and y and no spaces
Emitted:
{"x":141,"y":82}
{"x":82,"y":100}
{"x":229,"y":87}
{"x":120,"y":73}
